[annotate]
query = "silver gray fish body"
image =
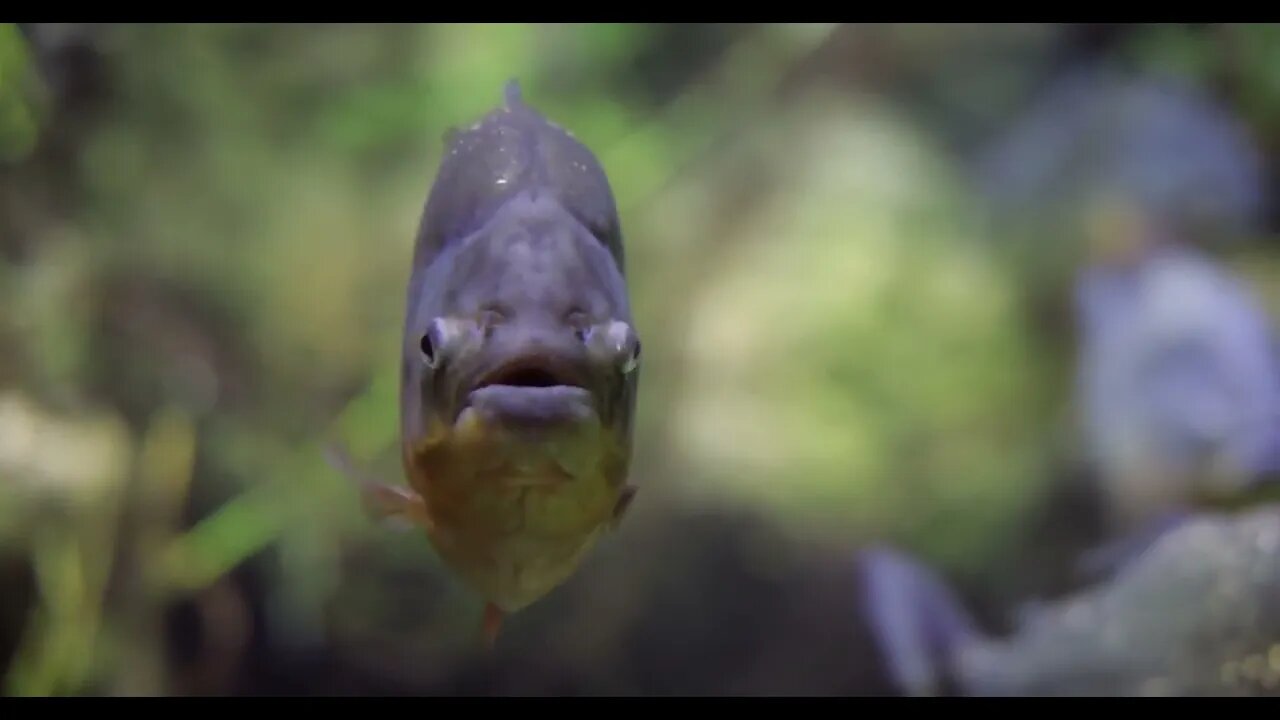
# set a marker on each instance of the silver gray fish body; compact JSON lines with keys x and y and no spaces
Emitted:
{"x":519,"y":359}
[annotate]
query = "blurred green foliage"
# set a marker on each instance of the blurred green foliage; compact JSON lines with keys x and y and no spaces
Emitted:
{"x":19,"y":114}
{"x":857,"y":360}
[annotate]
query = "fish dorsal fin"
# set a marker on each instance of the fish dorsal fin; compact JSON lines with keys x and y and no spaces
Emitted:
{"x":511,"y":94}
{"x":516,"y":143}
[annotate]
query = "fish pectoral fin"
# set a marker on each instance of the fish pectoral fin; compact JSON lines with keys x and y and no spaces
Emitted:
{"x":382,"y":501}
{"x":491,"y":624}
{"x":391,"y":503}
{"x":624,"y":502}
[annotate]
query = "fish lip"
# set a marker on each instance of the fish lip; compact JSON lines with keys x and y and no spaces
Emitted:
{"x":533,"y":371}
{"x":535,"y":389}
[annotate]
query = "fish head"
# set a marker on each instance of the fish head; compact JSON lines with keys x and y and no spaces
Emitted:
{"x":524,"y":331}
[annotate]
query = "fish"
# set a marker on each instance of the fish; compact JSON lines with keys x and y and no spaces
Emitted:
{"x":519,"y":366}
{"x":1196,"y":613}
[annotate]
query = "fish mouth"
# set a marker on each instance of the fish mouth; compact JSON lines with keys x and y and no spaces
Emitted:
{"x":534,"y":390}
{"x":534,"y":371}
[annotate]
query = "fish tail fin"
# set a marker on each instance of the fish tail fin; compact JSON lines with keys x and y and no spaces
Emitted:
{"x":916,"y":620}
{"x":491,"y":625}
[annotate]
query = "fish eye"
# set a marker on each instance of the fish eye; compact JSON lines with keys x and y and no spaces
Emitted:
{"x":428,"y":349}
{"x":617,"y":340}
{"x":435,"y":341}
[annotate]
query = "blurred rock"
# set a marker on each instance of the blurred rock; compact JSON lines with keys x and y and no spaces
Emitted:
{"x":1197,"y":614}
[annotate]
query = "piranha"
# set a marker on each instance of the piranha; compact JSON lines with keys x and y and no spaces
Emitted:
{"x":520,"y":362}
{"x":1196,"y":611}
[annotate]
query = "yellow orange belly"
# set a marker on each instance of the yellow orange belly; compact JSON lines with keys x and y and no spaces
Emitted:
{"x":514,"y":520}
